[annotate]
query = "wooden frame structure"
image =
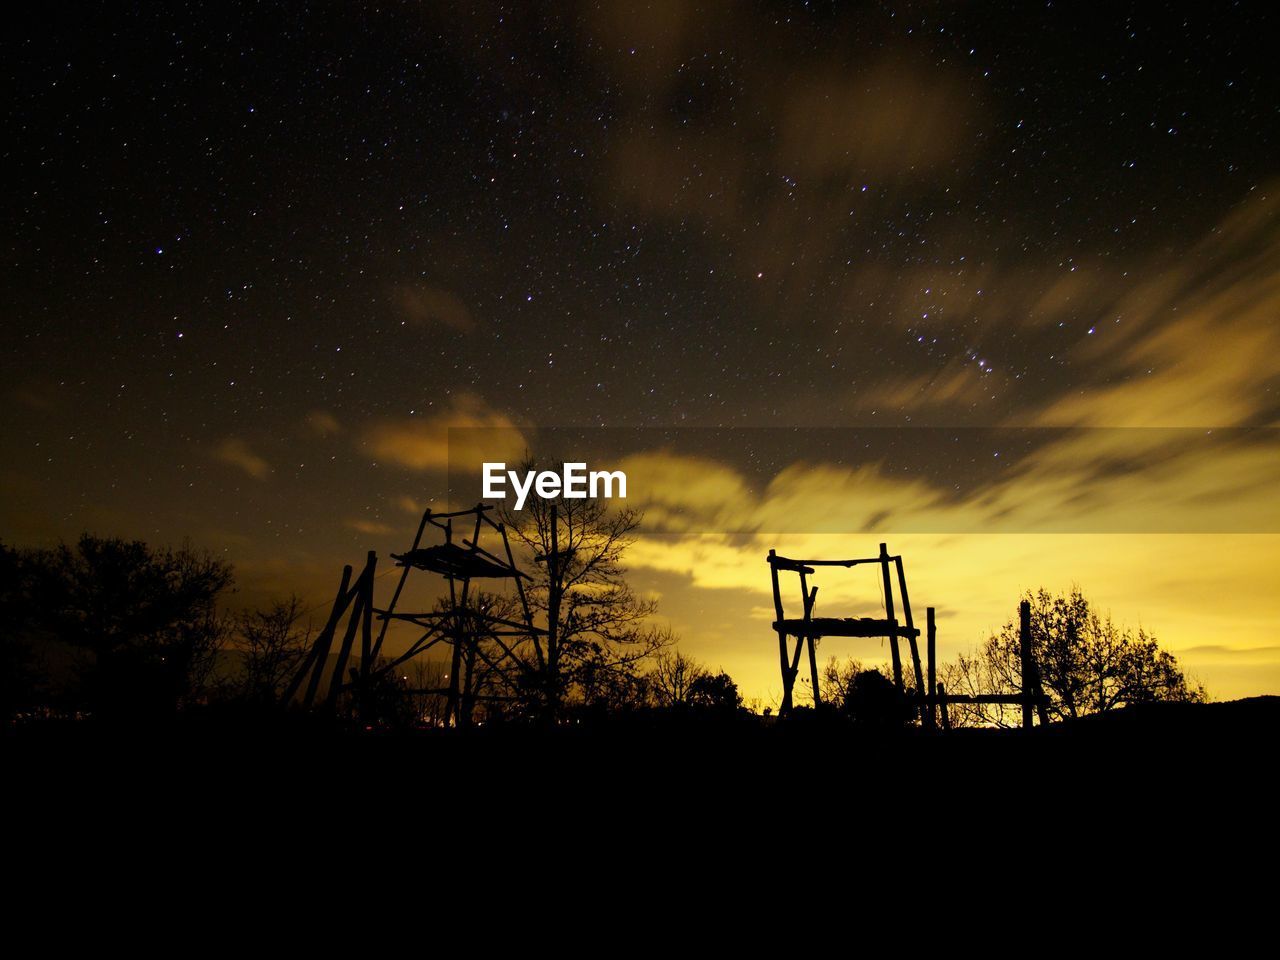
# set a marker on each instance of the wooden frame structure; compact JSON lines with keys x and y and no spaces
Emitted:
{"x":460,"y":624}
{"x":808,"y":629}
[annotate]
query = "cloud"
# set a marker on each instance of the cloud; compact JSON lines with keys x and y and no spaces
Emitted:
{"x":1195,"y":347}
{"x":370,"y":527}
{"x":425,"y":443}
{"x":1049,"y":481}
{"x":322,"y":423}
{"x":237,"y":453}
{"x":859,"y":122}
{"x":1195,"y":344}
{"x":784,"y":151}
{"x":1269,"y":654}
{"x":951,"y":387}
{"x":680,"y":492}
{"x":428,"y":306}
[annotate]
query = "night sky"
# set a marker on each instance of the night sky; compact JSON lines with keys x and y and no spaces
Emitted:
{"x":259,"y":258}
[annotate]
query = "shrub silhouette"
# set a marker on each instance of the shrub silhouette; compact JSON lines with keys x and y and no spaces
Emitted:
{"x":872,"y":701}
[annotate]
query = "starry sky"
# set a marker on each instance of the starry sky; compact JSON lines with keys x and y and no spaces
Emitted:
{"x":260,"y":259}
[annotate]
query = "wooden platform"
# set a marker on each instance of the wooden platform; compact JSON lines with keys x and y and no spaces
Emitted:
{"x":846,"y":627}
{"x":451,"y":560}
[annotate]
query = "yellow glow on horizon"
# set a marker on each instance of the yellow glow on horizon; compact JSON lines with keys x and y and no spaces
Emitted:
{"x":1208,"y":598}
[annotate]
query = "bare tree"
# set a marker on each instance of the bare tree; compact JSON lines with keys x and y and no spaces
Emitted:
{"x":427,"y":682}
{"x":272,"y":643}
{"x":673,"y":679}
{"x":837,"y":678}
{"x":597,"y":629}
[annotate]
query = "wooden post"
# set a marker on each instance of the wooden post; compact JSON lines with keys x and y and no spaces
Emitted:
{"x":1028,"y":670}
{"x":813,"y":674}
{"x":366,"y":625}
{"x":942,"y":705}
{"x":1037,"y":682}
{"x":931,"y":644}
{"x":889,"y":615}
{"x":320,"y":652}
{"x":782,"y":636}
{"x":911,"y":639}
{"x":794,"y":671}
{"x":366,"y":638}
{"x":363,"y":592}
{"x":809,"y":597}
{"x":404,"y":574}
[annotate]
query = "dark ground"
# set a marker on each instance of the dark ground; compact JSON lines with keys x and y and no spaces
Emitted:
{"x":1145,"y":798}
{"x":1180,"y":746}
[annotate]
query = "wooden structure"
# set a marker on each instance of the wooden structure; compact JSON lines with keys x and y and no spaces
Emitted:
{"x":807,"y":628}
{"x":930,"y":696}
{"x":460,"y":622}
{"x":355,"y":602}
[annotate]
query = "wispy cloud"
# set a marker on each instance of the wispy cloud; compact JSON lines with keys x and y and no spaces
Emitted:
{"x":322,"y":423}
{"x":425,"y":305}
{"x":371,"y":527}
{"x":423,"y":442}
{"x":1195,"y":344}
{"x":237,"y":453}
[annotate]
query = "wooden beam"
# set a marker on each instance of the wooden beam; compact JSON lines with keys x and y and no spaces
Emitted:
{"x":782,"y":634}
{"x":320,"y":651}
{"x":889,"y":615}
{"x":911,"y":631}
{"x":364,"y":589}
{"x":366,"y":622}
{"x":931,"y":636}
{"x":787,"y":563}
{"x":386,"y":621}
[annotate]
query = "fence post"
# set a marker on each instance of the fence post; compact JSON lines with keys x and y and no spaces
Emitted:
{"x":931,"y":653}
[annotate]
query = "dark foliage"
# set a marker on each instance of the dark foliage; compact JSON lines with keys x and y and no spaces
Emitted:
{"x":111,"y":627}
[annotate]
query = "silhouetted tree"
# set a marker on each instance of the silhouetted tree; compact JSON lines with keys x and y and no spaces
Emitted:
{"x":426,"y":682}
{"x":872,"y":700}
{"x":672,"y":679}
{"x":1087,"y":664}
{"x":22,"y":675}
{"x":484,"y":672}
{"x":680,"y":682}
{"x":715,"y":692}
{"x":597,"y":625}
{"x":143,"y":623}
{"x":272,"y":644}
{"x":605,"y":685}
{"x":837,"y":678}
{"x":867,"y":695}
